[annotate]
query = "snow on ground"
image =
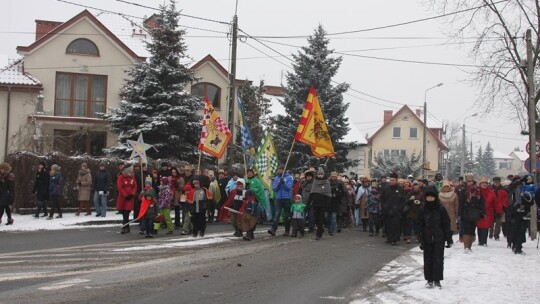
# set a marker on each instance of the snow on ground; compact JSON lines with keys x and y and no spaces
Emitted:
{"x":68,"y":221}
{"x":492,"y":274}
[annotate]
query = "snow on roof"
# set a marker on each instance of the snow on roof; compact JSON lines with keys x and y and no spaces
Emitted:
{"x":132,"y":34}
{"x":277,"y":109}
{"x":500,"y":155}
{"x":13,"y":74}
{"x":522,"y":156}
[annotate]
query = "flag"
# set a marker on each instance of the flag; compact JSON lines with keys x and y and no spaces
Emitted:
{"x":312,"y":129}
{"x":139,"y":148}
{"x":215,"y":134}
{"x":265,"y":162}
{"x":247,"y":140}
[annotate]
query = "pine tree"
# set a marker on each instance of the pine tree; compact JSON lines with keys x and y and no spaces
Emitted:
{"x":488,"y":163}
{"x":314,"y":65}
{"x":478,"y":161}
{"x":403,"y":165}
{"x":156,"y":103}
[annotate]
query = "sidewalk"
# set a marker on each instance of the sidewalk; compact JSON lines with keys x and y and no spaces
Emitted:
{"x":28,"y":222}
{"x":492,"y":274}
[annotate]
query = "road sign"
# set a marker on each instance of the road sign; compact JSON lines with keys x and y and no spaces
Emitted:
{"x":528,"y":147}
{"x":469,"y":166}
{"x":528,"y":165}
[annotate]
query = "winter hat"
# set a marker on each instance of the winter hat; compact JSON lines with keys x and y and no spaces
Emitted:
{"x":149,"y":192}
{"x":469,"y":177}
{"x":320,"y":171}
{"x":483,"y":179}
{"x":148,"y":180}
{"x":333,"y":174}
{"x":164,"y":180}
{"x":496,"y":178}
{"x":239,"y":183}
{"x":415,"y":183}
{"x":102,"y":164}
{"x":221,"y":171}
{"x":55,"y":167}
{"x":431,"y":191}
{"x":298,"y":198}
{"x":393,"y":175}
{"x":128,"y":169}
{"x":5,"y":167}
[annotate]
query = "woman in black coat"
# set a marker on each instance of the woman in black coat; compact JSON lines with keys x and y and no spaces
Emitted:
{"x":41,"y":189}
{"x":434,"y":231}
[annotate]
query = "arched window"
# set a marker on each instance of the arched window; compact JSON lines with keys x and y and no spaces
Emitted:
{"x":82,"y":46}
{"x":209,"y":90}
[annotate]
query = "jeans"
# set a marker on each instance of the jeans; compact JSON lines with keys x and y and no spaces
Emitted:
{"x":482,"y":236}
{"x":100,"y":206}
{"x":408,"y":225}
{"x":284,"y":204}
{"x":331,"y":219}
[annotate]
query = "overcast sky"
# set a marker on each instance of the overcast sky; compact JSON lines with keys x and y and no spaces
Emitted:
{"x":376,"y":85}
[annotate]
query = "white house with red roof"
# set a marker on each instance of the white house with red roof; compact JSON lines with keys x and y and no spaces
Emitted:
{"x":402,"y":134}
{"x":51,"y":97}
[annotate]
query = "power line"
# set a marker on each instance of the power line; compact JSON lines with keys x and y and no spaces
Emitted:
{"x":184,"y":15}
{"x":414,"y":61}
{"x":390,"y":25}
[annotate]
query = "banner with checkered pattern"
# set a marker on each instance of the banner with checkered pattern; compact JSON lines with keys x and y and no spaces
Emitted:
{"x":215,"y":134}
{"x":266,"y":161}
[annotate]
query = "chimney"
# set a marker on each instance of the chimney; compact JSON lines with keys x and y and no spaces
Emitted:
{"x":44,"y":26}
{"x":418,"y":112}
{"x":387,"y":116}
{"x":150,"y":23}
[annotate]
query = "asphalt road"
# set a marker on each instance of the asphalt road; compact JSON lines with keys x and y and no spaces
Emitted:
{"x":90,"y":265}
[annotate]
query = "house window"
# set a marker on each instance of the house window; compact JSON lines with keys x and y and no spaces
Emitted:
{"x":394,"y":153}
{"x":413,"y":133}
{"x":209,"y":90}
{"x":82,"y":47}
{"x":396,"y":132}
{"x":71,"y":142}
{"x":505,"y":165}
{"x":80,"y":95}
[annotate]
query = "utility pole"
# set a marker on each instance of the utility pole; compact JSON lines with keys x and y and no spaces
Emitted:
{"x":463,"y":151}
{"x":531,"y":106}
{"x":232,"y":78}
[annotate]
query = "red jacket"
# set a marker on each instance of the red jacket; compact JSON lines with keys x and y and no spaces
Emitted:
{"x":490,"y":200}
{"x":127,"y":189}
{"x":502,"y":200}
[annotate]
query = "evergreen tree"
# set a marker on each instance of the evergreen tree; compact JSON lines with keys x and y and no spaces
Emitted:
{"x":314,"y":65}
{"x":403,"y":165}
{"x":488,"y":163}
{"x":156,"y":103}
{"x":478,"y":161}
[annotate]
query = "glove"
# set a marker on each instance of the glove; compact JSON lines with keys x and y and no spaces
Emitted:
{"x":449,"y":243}
{"x":422,"y":246}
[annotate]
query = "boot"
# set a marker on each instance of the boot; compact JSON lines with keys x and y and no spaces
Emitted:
{"x":246,"y":237}
{"x":272,"y":232}
{"x":251,"y":234}
{"x":9,"y":222}
{"x":237,"y":232}
{"x":79,"y":210}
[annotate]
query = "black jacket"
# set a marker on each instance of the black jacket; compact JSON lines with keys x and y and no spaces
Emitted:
{"x":102,"y":181}
{"x":392,"y":200}
{"x":337,"y":194}
{"x":7,"y":190}
{"x":41,"y":185}
{"x":434,"y":224}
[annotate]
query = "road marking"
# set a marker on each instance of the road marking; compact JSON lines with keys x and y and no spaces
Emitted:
{"x":64,"y":284}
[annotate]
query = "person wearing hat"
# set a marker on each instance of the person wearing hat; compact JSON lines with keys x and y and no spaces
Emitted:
{"x":392,"y":201}
{"x":216,"y":197}
{"x":255,"y":184}
{"x":100,"y":185}
{"x":413,"y":203}
{"x":177,"y":185}
{"x":56,"y":187}
{"x":471,"y":209}
{"x":164,"y":171}
{"x":231,"y":184}
{"x":338,"y":192}
{"x":449,"y":199}
{"x":282,"y":186}
{"x":7,"y":191}
{"x":520,"y":202}
{"x":222,"y":180}
{"x":319,"y":199}
{"x":500,"y":206}
{"x":234,"y":201}
{"x":149,"y":211}
{"x":363,"y":195}
{"x":164,"y":202}
{"x":374,"y":211}
{"x":297,"y":216}
{"x":305,"y":190}
{"x":127,"y":189}
{"x":41,"y":189}
{"x":197,"y":198}
{"x":84,"y":186}
{"x":490,"y":200}
{"x":434,"y":232}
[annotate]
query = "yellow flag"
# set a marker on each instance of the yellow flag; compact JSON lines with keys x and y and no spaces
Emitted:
{"x":215,"y":134}
{"x":312,"y":129}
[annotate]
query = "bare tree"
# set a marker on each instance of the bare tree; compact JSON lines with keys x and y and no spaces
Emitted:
{"x":499,"y":49}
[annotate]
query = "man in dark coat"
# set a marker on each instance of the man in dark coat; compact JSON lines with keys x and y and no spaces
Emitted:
{"x":223,"y":180}
{"x":434,"y":231}
{"x":100,"y":185}
{"x":7,"y":191}
{"x":41,"y":189}
{"x":392,"y":201}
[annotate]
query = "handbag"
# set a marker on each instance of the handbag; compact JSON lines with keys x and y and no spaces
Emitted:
{"x":471,"y":214}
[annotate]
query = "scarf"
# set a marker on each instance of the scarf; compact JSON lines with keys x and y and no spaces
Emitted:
{"x":321,"y":186}
{"x":472,"y":192}
{"x":446,"y":195}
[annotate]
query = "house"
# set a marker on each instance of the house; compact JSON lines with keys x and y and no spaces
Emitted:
{"x":503,"y":164}
{"x":518,"y":162}
{"x":51,"y":97}
{"x":402,"y":134}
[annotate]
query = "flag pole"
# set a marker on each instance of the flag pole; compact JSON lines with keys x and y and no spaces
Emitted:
{"x":245,"y":166}
{"x":142,"y":174}
{"x":199,"y":164}
{"x":288,"y":157}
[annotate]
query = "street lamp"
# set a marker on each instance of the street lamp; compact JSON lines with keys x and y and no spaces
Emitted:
{"x":425,"y":123}
{"x":463,"y":148}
